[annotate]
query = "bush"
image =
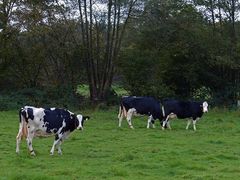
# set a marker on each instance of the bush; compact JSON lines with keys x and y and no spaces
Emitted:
{"x":202,"y":93}
{"x":226,"y":97}
{"x":47,"y":97}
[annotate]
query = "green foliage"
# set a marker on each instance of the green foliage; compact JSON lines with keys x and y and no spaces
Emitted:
{"x":174,"y":50}
{"x":120,"y":90}
{"x":48,"y":97}
{"x":112,"y":96}
{"x":104,"y":151}
{"x":83,"y":90}
{"x":202,"y":93}
{"x":171,"y":48}
{"x":227,"y":97}
{"x":142,"y":73}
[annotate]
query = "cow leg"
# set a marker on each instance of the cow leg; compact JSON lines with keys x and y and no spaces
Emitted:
{"x":188,"y":123}
{"x":64,"y":136}
{"x":59,"y":147}
{"x":152,"y":122}
{"x":56,"y":141}
{"x":19,"y":137}
{"x":120,"y":117}
{"x":29,"y":139}
{"x":149,"y":121}
{"x":194,"y":123}
{"x":165,"y":122}
{"x":129,"y":117}
{"x":168,"y":124}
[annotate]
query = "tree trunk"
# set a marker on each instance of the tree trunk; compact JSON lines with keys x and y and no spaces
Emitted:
{"x":99,"y":59}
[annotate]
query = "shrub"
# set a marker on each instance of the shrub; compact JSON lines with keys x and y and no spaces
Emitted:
{"x":202,"y":93}
{"x":47,"y":97}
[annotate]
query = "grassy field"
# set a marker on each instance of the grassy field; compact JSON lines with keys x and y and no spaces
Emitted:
{"x":104,"y":151}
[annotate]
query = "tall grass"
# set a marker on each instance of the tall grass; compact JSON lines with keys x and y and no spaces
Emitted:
{"x":104,"y":151}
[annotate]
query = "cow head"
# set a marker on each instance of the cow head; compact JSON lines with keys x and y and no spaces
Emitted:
{"x":81,"y":120}
{"x":205,"y":106}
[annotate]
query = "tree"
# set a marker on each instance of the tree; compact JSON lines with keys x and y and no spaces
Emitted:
{"x":102,"y":35}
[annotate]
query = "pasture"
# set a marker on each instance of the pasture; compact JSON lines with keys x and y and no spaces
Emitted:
{"x":104,"y":151}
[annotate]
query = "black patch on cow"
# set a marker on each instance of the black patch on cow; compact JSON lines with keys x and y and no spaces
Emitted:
{"x":23,"y":113}
{"x":30,"y":113}
{"x":54,"y":120}
{"x":56,"y":137}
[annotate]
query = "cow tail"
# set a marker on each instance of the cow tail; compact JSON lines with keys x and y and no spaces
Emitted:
{"x":23,"y":123}
{"x":122,"y":111}
{"x":163,"y":111}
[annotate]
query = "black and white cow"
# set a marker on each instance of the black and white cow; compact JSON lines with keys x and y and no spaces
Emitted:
{"x":132,"y":105}
{"x":60,"y":122}
{"x":183,"y":109}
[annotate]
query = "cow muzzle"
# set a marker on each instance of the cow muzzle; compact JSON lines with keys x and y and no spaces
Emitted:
{"x":205,"y":110}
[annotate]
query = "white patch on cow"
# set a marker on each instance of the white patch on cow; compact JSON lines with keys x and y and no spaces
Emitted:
{"x":172,"y":115}
{"x":167,"y":120}
{"x":149,"y":121}
{"x":25,"y":107}
{"x":129,"y":116}
{"x":194,"y":125}
{"x":70,"y":112}
{"x":80,"y":118}
{"x":205,"y":106}
{"x":120,"y":116}
{"x":52,"y":130}
{"x":63,"y":125}
{"x":38,"y":122}
{"x":52,"y":109}
{"x":188,"y":123}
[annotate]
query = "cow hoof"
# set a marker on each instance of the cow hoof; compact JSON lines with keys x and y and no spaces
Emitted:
{"x":51,"y":153}
{"x":33,"y":153}
{"x":163,"y":128}
{"x":131,"y":127}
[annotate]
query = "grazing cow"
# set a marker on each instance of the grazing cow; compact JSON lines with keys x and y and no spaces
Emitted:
{"x":132,"y":105}
{"x":182,"y":110}
{"x":51,"y":121}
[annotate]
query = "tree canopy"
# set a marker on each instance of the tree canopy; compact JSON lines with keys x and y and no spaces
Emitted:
{"x":161,"y":48}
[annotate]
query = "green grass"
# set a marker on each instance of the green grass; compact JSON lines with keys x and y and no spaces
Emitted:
{"x":104,"y":151}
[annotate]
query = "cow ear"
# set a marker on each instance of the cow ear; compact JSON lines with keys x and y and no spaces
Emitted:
{"x":86,"y":118}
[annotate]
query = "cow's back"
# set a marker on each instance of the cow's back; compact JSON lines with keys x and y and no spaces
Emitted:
{"x":57,"y":118}
{"x":183,"y":109}
{"x":143,"y":105}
